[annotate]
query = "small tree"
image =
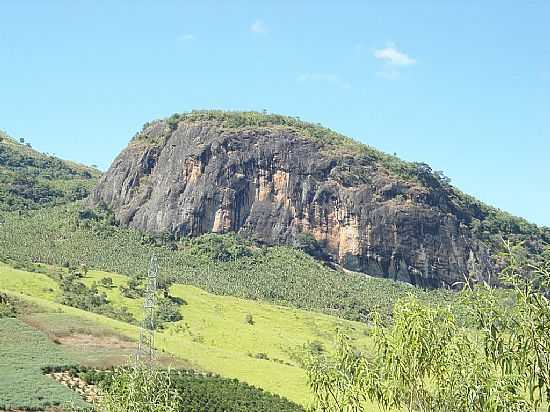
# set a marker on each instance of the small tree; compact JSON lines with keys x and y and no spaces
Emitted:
{"x":167,"y":311}
{"x":427,"y":361}
{"x":7,"y":310}
{"x":107,"y":282}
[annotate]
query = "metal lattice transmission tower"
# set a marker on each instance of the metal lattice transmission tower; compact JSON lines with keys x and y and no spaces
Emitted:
{"x":146,"y":349}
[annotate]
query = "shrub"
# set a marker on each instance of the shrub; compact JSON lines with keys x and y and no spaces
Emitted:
{"x":77,"y":294}
{"x":248,"y":319}
{"x":167,"y":311}
{"x":7,"y":310}
{"x":107,"y":282}
{"x":221,"y":248}
{"x":316,"y":347}
{"x":426,"y":361}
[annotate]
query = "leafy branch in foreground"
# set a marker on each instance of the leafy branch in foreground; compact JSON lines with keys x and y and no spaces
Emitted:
{"x":426,"y":361}
{"x":138,"y":388}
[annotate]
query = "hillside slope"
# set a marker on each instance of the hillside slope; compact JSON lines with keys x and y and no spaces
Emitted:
{"x":30,"y":179}
{"x":70,"y":235}
{"x":213,"y":334}
{"x":275,"y":178}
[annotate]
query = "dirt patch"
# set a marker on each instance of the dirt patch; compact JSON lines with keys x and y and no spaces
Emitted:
{"x":93,"y":345}
{"x":103,"y":342}
{"x":57,"y":325}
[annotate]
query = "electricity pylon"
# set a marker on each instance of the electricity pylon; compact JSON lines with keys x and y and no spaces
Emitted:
{"x":145,"y":353}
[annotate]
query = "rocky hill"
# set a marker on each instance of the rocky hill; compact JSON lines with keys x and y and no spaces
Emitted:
{"x":30,"y":179}
{"x":278,"y":180}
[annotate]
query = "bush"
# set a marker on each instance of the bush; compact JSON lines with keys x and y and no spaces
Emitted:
{"x":167,"y":311}
{"x":222,"y":248}
{"x":316,"y":347}
{"x":248,"y":319}
{"x":107,"y":282}
{"x":426,"y":361}
{"x":77,"y":294}
{"x":7,"y":310}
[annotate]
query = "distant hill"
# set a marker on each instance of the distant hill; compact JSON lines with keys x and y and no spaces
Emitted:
{"x":30,"y":179}
{"x":276,"y":179}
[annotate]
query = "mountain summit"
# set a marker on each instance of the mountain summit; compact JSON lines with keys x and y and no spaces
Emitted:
{"x":277,"y":179}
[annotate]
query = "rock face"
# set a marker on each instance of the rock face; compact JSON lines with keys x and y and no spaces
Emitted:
{"x":273,"y":183}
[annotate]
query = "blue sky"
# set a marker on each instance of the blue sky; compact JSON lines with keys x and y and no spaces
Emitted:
{"x":462,"y":85}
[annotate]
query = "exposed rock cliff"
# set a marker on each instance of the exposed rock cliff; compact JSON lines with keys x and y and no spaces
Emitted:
{"x":273,"y":178}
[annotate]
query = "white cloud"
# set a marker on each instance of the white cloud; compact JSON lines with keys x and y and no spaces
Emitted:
{"x":259,"y":27}
{"x":329,"y":78}
{"x":391,"y":55}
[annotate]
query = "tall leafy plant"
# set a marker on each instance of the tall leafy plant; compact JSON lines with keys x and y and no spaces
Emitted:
{"x":425,"y":360}
{"x":138,"y":388}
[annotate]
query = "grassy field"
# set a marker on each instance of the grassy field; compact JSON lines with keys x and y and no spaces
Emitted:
{"x":23,"y":352}
{"x":213,"y":334}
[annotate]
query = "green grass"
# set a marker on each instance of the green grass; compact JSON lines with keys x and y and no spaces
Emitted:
{"x":40,"y":285}
{"x":23,"y":352}
{"x":213,"y":334}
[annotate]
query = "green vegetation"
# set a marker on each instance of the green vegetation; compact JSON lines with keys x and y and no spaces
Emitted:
{"x":329,"y":140}
{"x":7,"y":309}
{"x":29,"y":179}
{"x":75,"y":293}
{"x":416,"y":333}
{"x":139,"y":388}
{"x":426,"y":361}
{"x":24,"y":351}
{"x":212,"y":334}
{"x":223,"y":265}
{"x":186,"y":390}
